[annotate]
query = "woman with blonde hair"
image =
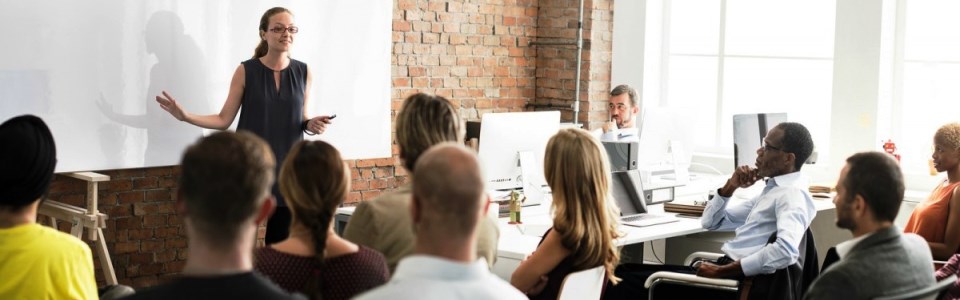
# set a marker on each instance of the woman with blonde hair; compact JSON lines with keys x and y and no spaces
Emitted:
{"x":314,"y":260}
{"x":585,"y":219}
{"x":937,"y":219}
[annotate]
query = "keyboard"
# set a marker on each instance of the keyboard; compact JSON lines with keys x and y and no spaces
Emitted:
{"x":642,"y":220}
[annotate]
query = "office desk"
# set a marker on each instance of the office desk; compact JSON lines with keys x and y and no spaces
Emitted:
{"x":515,"y":244}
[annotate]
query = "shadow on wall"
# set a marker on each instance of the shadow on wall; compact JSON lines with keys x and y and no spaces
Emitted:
{"x":180,"y":70}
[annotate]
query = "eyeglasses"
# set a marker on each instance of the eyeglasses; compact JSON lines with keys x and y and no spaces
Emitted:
{"x":767,"y":147}
{"x":291,"y":29}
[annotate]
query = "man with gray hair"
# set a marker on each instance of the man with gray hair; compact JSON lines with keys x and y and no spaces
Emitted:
{"x":449,"y":202}
{"x":624,"y":108}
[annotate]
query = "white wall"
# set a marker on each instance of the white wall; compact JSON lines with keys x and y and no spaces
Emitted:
{"x":91,"y":69}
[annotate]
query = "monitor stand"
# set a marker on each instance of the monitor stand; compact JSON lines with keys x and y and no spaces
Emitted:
{"x":531,"y":187}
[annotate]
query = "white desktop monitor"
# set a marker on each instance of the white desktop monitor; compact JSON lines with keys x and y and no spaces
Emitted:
{"x":748,"y":133}
{"x":504,"y":136}
{"x":666,"y":139}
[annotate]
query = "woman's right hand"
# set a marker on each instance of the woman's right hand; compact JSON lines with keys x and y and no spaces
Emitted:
{"x":171,"y":106}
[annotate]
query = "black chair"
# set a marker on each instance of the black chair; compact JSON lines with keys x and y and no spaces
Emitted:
{"x":787,"y":283}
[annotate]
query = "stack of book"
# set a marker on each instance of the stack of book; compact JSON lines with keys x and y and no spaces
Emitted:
{"x":684,"y":209}
{"x":822,"y":191}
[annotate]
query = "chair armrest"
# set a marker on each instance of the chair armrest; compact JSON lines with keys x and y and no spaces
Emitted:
{"x":689,"y":279}
{"x":701,"y":254}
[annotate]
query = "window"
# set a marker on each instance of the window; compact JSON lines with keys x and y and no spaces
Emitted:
{"x":924,"y":69}
{"x":715,"y":59}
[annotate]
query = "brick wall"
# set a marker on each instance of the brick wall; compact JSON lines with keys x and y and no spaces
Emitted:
{"x":476,"y":53}
{"x":556,"y":64}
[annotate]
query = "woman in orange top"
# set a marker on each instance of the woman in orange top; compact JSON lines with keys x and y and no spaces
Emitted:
{"x":938,"y":219}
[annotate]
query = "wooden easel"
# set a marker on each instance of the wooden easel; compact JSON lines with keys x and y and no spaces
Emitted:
{"x":81,"y":218}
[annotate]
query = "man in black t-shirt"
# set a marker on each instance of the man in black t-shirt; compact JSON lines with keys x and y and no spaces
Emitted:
{"x":224,"y":196}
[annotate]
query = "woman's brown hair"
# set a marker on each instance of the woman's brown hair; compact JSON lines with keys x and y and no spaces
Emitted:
{"x":314,"y":180}
{"x":262,"y":47}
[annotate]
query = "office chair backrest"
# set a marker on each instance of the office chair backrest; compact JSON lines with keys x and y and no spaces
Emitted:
{"x":585,"y":285}
{"x":789,"y":283}
{"x":931,"y":292}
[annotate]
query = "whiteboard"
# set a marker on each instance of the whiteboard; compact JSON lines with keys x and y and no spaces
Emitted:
{"x":92,"y":69}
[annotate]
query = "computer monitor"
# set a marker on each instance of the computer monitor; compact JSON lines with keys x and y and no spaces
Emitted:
{"x":666,"y":138}
{"x":505,"y":138}
{"x":623,"y":155}
{"x":748,"y":133}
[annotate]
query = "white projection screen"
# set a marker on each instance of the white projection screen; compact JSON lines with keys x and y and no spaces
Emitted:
{"x":92,"y":69}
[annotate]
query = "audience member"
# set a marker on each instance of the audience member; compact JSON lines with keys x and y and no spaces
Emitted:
{"x":314,"y":259}
{"x":585,"y":218}
{"x":869,"y":193}
{"x":952,"y":267}
{"x":224,"y":196}
{"x":785,"y":207}
{"x":382,"y":223}
{"x":36,"y":262}
{"x":933,"y":219}
{"x":447,"y":206}
{"x":624,"y":108}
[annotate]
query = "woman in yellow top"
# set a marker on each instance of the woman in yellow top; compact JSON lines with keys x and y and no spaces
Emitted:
{"x":938,"y":219}
{"x":584,"y":220}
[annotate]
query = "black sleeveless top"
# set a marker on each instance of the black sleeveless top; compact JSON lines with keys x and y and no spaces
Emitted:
{"x":555,"y":277}
{"x":274,"y":115}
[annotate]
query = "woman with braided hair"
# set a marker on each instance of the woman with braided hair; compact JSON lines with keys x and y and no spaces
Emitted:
{"x":314,"y":260}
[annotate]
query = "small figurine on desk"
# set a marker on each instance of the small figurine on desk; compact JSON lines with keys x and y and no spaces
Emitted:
{"x":516,"y":201}
{"x":891,"y":148}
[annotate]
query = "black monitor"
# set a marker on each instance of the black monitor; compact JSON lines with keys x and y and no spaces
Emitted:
{"x":623,"y":155}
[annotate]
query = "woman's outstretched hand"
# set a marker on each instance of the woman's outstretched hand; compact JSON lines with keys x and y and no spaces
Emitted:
{"x":171,"y":106}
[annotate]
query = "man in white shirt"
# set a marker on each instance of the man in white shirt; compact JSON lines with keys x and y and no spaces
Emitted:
{"x":448,"y":202}
{"x":879,"y":260}
{"x":785,"y":207}
{"x":623,"y":108}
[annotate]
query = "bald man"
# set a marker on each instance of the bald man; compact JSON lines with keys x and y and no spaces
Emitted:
{"x":448,"y":202}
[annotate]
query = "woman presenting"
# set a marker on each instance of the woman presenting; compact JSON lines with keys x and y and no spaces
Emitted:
{"x":273,"y":90}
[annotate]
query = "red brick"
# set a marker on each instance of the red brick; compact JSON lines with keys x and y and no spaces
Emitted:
{"x":401,"y":25}
{"x":130,"y":197}
{"x":126,"y":247}
{"x":174,"y":266}
{"x":151,"y":246}
{"x":152,"y":221}
{"x":176,"y":243}
{"x":140,"y":234}
{"x":168,"y":232}
{"x":141,"y":258}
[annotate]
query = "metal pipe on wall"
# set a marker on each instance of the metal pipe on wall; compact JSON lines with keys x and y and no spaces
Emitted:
{"x":576,"y":77}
